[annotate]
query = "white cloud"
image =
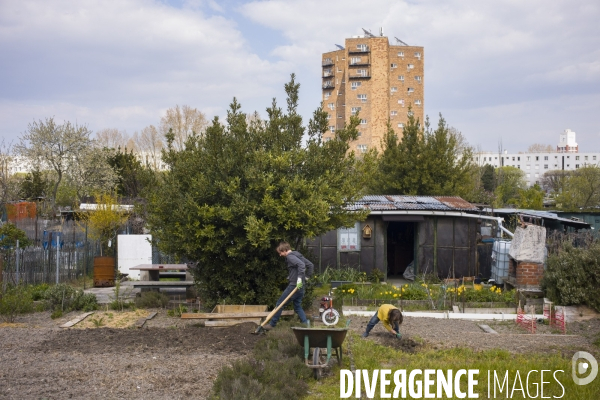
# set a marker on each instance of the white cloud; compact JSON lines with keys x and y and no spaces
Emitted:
{"x":478,"y":55}
{"x":124,"y":60}
{"x":120,"y":63}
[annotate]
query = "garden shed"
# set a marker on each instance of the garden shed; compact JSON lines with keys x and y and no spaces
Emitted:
{"x":436,"y":234}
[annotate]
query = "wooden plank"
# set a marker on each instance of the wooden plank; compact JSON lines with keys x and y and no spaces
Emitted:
{"x":76,"y":320}
{"x":487,"y":329}
{"x":231,"y":322}
{"x":162,"y":283}
{"x":239,"y":308}
{"x":140,"y":322}
{"x":231,"y":315}
{"x":152,"y":315}
{"x":160,"y":267}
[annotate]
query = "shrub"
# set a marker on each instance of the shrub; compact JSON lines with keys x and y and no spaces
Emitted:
{"x":376,"y":275}
{"x":17,"y":300}
{"x":152,"y":300}
{"x":66,"y":298}
{"x":573,"y":276}
{"x":176,"y":312}
{"x":37,"y":291}
{"x":274,"y":371}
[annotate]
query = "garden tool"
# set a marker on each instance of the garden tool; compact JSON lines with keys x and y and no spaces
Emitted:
{"x":261,"y":328}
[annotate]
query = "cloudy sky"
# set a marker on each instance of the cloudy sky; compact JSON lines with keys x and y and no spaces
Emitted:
{"x":516,"y":71}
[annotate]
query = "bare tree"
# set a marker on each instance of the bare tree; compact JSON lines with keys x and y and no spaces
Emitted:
{"x":183,"y":121}
{"x":541,"y":148}
{"x":149,"y":145}
{"x":461,"y":142}
{"x":112,"y":138}
{"x":555,"y":181}
{"x":90,"y":172}
{"x":8,"y":183}
{"x":47,"y":145}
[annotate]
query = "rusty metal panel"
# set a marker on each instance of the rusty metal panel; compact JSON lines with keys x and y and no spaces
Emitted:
{"x":456,"y":203}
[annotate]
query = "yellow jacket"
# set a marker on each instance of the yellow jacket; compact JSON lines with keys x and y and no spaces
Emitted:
{"x":382,"y":314}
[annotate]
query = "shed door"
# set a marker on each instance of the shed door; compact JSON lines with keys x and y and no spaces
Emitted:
{"x":400,"y":246}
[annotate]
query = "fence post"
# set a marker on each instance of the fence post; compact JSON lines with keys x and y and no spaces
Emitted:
{"x":17,"y":262}
{"x":57,"y":258}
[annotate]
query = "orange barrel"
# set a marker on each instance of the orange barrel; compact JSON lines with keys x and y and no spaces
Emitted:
{"x":104,"y":271}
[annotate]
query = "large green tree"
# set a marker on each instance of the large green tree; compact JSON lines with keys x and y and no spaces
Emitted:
{"x":423,"y":161}
{"x":133,"y":178}
{"x":231,"y":194}
{"x":510,"y":181}
{"x":581,"y":189}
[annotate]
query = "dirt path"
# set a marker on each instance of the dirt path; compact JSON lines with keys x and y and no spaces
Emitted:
{"x":168,"y":359}
{"x":448,"y":333}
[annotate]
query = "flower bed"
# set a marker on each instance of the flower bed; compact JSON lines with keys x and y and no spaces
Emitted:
{"x":424,"y":296}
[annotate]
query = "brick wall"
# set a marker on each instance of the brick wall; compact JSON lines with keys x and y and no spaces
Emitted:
{"x":526,"y":275}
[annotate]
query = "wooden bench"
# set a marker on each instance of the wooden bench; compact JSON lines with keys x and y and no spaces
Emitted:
{"x":172,"y":274}
{"x":148,"y":286}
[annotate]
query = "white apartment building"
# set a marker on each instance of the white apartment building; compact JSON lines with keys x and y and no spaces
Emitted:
{"x":566,"y":157}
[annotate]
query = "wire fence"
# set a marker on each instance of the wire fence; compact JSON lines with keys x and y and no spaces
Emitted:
{"x":53,"y":263}
{"x":35,"y":265}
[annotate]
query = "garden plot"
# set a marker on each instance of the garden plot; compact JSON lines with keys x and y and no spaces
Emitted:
{"x":169,"y":358}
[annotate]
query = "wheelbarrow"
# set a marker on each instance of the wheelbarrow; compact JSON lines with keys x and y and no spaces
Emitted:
{"x":324,"y":343}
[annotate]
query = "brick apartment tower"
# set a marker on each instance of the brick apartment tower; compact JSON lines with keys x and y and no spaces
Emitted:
{"x":377,"y":79}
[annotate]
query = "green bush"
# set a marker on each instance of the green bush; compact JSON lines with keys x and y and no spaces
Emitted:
{"x":17,"y":300}
{"x":573,"y":276}
{"x":37,"y":291}
{"x":66,"y":298}
{"x":274,"y":371}
{"x":152,"y":300}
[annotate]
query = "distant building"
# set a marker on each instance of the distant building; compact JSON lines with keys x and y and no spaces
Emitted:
{"x":375,"y":79}
{"x":534,"y":165}
{"x":567,"y":143}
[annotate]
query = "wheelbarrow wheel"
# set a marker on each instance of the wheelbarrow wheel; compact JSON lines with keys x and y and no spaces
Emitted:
{"x":317,"y":361}
{"x":330,"y":317}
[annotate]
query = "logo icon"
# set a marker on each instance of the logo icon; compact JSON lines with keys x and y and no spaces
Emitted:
{"x":583,"y":367}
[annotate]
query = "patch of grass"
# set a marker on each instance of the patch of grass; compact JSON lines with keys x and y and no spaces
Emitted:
{"x":370,"y":356}
{"x":274,"y":371}
{"x":176,"y":312}
{"x":98,"y":322}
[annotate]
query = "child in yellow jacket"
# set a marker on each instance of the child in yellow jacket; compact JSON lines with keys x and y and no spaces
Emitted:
{"x":391,"y":318}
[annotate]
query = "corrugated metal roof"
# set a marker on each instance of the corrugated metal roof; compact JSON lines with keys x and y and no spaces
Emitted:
{"x":540,"y":214}
{"x":416,"y":203}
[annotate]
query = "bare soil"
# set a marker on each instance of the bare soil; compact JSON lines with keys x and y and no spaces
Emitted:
{"x":418,"y":333}
{"x":171,"y":358}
